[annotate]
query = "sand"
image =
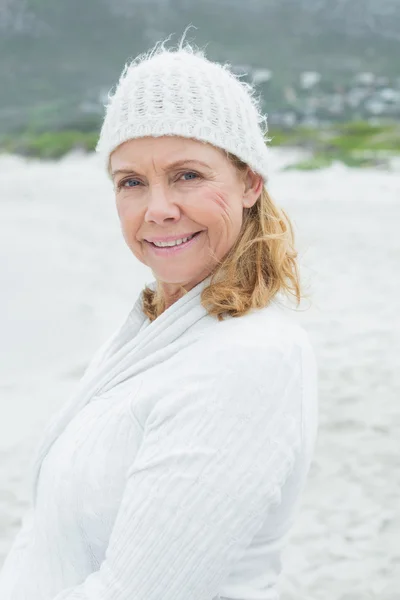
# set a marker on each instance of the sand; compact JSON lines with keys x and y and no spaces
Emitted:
{"x":67,"y":280}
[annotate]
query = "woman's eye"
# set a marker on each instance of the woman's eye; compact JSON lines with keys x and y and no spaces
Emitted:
{"x":128,"y":181}
{"x":132,"y":182}
{"x":190,"y":173}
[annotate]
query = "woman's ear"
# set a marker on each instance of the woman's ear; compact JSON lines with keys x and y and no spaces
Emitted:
{"x":253,"y":184}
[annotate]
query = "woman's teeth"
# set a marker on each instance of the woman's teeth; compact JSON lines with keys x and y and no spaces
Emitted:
{"x":175,"y":242}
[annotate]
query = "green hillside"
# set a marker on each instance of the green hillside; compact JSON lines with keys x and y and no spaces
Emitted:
{"x":59,"y":53}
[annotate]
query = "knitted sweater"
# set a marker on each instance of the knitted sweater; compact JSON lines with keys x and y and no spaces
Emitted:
{"x":176,"y":470}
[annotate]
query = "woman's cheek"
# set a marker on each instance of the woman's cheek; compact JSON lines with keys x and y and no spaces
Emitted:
{"x":207,"y":203}
{"x":127,"y":212}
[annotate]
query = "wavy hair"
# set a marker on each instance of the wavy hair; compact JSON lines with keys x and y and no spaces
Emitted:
{"x":261,"y":263}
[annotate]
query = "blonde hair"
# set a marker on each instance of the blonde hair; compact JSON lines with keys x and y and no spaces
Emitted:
{"x":261,"y":263}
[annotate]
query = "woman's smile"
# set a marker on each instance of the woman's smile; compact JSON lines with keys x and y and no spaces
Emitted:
{"x":175,"y":249}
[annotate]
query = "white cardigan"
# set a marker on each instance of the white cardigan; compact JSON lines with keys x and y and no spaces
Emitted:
{"x":176,"y":470}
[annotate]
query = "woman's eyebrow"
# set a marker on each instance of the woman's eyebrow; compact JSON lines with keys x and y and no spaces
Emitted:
{"x":174,"y":165}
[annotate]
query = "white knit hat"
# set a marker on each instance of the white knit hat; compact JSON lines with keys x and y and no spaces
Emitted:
{"x":181,"y":92}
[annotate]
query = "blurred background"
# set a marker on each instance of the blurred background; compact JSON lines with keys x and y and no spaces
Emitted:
{"x":316,"y":63}
{"x":328,"y":73}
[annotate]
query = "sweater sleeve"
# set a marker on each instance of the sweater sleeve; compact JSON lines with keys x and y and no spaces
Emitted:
{"x":214,"y":457}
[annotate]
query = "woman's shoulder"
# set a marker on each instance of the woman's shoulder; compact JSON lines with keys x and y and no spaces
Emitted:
{"x":255,"y":347}
{"x":271,"y":329}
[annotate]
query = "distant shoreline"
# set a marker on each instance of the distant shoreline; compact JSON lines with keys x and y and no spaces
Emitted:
{"x":356,"y":144}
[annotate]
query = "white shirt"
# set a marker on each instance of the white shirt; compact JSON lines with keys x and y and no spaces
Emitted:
{"x":177,"y":469}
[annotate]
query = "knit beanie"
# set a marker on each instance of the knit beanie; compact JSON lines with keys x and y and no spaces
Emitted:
{"x":181,"y":92}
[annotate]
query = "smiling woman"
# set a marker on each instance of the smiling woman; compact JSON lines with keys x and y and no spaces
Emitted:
{"x":176,"y":469}
{"x":159,"y":202}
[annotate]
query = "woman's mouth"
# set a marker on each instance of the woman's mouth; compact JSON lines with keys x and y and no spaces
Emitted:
{"x":171,"y":250}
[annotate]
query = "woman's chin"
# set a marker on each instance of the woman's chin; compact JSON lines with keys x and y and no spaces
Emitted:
{"x":174,"y":277}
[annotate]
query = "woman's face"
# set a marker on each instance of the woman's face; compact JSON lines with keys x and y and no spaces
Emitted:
{"x":172,"y":187}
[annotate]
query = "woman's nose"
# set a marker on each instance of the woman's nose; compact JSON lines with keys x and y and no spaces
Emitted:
{"x":161,"y":205}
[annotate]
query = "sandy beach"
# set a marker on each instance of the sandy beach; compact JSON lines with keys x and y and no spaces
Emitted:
{"x":67,"y":281}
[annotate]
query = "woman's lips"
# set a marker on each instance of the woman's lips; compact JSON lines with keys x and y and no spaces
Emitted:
{"x":171,"y":250}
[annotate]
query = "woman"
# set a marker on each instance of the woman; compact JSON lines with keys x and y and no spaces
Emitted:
{"x":176,"y":470}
